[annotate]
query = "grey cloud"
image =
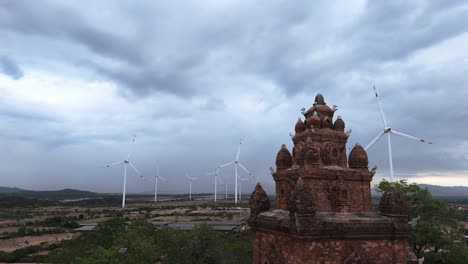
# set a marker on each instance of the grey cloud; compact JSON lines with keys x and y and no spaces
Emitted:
{"x":10,"y":68}
{"x":396,"y":29}
{"x":204,"y":57}
{"x":49,"y":20}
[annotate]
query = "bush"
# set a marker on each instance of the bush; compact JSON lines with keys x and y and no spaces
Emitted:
{"x":145,"y":244}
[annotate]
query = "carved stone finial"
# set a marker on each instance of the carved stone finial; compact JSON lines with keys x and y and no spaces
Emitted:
{"x":373,"y":170}
{"x":301,"y":201}
{"x":392,"y":203}
{"x":358,"y":158}
{"x":283,"y":159}
{"x":259,"y":202}
{"x":300,"y":126}
{"x":339,"y":124}
{"x":319,"y":100}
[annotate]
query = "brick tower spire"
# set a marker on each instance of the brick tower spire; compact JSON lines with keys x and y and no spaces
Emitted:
{"x":323,"y":202}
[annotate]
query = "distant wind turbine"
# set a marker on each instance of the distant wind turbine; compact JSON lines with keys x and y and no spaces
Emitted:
{"x":226,"y":183}
{"x":388,"y":130}
{"x":190,"y":184}
{"x":216,"y":179}
{"x":236,"y":163}
{"x":126,"y":163}
{"x":240,"y":186}
{"x":156,"y":183}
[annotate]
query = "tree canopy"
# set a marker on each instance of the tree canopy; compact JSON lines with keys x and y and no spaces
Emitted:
{"x":146,"y":244}
{"x":436,"y":235}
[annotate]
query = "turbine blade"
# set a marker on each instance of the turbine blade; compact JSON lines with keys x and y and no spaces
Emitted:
{"x":219,"y":179}
{"x":117,"y":163}
{"x":131,"y":147}
{"x":162,"y":178}
{"x":384,"y":121}
{"x":242,"y":166}
{"x":238,"y":150}
{"x":375,"y":139}
{"x":194,"y":178}
{"x":409,"y":136}
{"x":145,"y":179}
{"x":227,"y":164}
{"x":131,"y":165}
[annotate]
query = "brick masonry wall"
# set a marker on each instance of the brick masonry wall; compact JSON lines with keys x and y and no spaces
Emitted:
{"x":276,"y":248}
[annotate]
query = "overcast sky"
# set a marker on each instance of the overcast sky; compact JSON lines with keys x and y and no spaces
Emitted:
{"x":191,"y":78}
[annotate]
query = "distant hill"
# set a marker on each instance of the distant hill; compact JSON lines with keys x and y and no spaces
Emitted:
{"x":9,"y":190}
{"x":444,"y":191}
{"x":52,"y":195}
{"x":439,"y":191}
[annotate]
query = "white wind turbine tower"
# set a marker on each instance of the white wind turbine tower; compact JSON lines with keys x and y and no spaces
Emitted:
{"x":190,"y":179}
{"x":226,"y":183}
{"x":216,"y":179}
{"x":388,"y":130}
{"x":236,"y":163}
{"x":240,"y":186}
{"x":126,"y":163}
{"x":156,"y":183}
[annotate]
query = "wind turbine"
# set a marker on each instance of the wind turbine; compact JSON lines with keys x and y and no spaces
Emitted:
{"x":126,"y":162}
{"x":216,"y":178}
{"x":388,"y":130}
{"x":190,"y":184}
{"x":236,"y":163}
{"x":240,"y":186}
{"x":226,"y":183}
{"x":156,"y":183}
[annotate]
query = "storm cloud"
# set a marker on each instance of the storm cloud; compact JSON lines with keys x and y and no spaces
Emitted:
{"x":192,"y":78}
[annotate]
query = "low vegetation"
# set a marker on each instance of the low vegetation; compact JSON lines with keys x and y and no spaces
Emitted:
{"x":119,"y":241}
{"x":436,"y":235}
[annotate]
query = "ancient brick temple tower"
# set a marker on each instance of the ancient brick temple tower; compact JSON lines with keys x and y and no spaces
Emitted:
{"x":323,"y":202}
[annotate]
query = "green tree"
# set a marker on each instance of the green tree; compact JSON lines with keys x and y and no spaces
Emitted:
{"x":145,"y":244}
{"x":436,"y":227}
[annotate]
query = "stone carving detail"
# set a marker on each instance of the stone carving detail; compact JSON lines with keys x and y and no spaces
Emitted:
{"x":314,"y":121}
{"x":311,"y":152}
{"x":301,"y":207}
{"x":331,"y":154}
{"x":274,"y":255}
{"x":339,"y":196}
{"x":355,"y":258}
{"x":301,"y":200}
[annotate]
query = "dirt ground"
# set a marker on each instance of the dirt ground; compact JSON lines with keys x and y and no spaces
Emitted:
{"x":169,"y":210}
{"x":20,"y":242}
